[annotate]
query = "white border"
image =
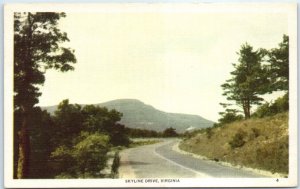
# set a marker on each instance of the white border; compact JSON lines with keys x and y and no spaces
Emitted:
{"x":289,"y":8}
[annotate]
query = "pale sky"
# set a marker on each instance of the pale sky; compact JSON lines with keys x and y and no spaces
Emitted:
{"x":175,"y":62}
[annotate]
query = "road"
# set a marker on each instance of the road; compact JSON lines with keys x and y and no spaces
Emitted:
{"x":161,"y":160}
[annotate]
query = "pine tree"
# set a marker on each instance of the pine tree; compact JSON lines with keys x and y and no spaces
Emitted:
{"x":279,"y":66}
{"x":37,"y":47}
{"x":248,"y":81}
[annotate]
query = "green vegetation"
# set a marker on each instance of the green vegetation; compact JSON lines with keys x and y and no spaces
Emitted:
{"x":76,"y":142}
{"x":73,"y":143}
{"x":238,"y":139}
{"x":248,"y":79}
{"x":257,"y":143}
{"x":257,"y":73}
{"x":83,"y":160}
{"x":37,"y":41}
{"x":170,"y":132}
{"x":280,"y":105}
{"x":259,"y":140}
{"x":142,"y":133}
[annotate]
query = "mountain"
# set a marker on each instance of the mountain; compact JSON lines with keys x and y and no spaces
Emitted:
{"x":137,"y":114}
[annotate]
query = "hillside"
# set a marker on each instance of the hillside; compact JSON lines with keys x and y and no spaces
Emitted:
{"x":256,"y":143}
{"x":136,"y":114}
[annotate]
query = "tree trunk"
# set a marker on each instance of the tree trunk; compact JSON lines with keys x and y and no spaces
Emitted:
{"x":24,"y":149}
{"x":246,"y":108}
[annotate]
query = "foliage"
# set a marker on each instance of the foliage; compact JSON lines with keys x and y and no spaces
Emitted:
{"x":170,"y":132}
{"x":279,"y":66}
{"x":83,"y":135}
{"x":248,"y":79}
{"x":209,"y":132}
{"x":258,"y":72}
{"x":230,"y":115}
{"x":238,"y":139}
{"x":85,"y":159}
{"x":142,"y":133}
{"x":41,"y":130}
{"x":68,"y":122}
{"x":118,"y":136}
{"x":72,"y":143}
{"x":280,"y":105}
{"x":37,"y":41}
{"x":37,"y":47}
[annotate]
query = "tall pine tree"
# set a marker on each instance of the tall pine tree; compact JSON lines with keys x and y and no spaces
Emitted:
{"x":37,"y":47}
{"x":248,"y":81}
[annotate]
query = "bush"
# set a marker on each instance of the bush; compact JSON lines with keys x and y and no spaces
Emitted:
{"x":281,"y":104}
{"x":209,"y":132}
{"x":229,"y":117}
{"x":238,"y":139}
{"x":85,"y":159}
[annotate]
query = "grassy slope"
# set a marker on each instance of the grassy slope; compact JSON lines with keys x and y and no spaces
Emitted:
{"x":266,"y":143}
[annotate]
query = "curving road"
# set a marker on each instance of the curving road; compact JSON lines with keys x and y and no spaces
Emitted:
{"x":161,"y":160}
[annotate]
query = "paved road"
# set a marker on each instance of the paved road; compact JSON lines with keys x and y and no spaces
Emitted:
{"x":160,"y":160}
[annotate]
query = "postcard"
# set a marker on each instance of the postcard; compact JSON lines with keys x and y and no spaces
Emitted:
{"x":150,"y":95}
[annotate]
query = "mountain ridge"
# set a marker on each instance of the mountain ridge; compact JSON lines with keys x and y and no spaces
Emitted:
{"x":137,"y":114}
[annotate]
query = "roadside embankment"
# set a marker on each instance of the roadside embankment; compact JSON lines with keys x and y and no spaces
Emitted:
{"x":261,"y":144}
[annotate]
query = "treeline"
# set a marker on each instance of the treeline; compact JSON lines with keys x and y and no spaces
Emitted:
{"x":144,"y":133}
{"x":258,"y":72}
{"x":73,"y":143}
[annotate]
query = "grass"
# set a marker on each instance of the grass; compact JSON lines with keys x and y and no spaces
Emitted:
{"x":260,"y":143}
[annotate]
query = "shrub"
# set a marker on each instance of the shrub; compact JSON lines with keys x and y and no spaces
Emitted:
{"x":238,"y":139}
{"x":229,"y":117}
{"x":281,"y":104}
{"x":85,"y":159}
{"x":209,"y":132}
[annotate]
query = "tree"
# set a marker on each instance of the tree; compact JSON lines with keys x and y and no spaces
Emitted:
{"x":37,"y":47}
{"x":248,"y":81}
{"x":170,"y":132}
{"x":68,"y":121}
{"x":118,"y":135}
{"x":230,"y":115}
{"x":279,"y":66}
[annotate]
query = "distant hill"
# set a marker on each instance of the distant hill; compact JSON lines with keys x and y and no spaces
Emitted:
{"x":136,"y":114}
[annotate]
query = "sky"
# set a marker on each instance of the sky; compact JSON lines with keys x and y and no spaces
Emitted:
{"x":173,"y":61}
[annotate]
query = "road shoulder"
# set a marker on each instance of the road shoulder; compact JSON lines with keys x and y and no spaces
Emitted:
{"x":256,"y":171}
